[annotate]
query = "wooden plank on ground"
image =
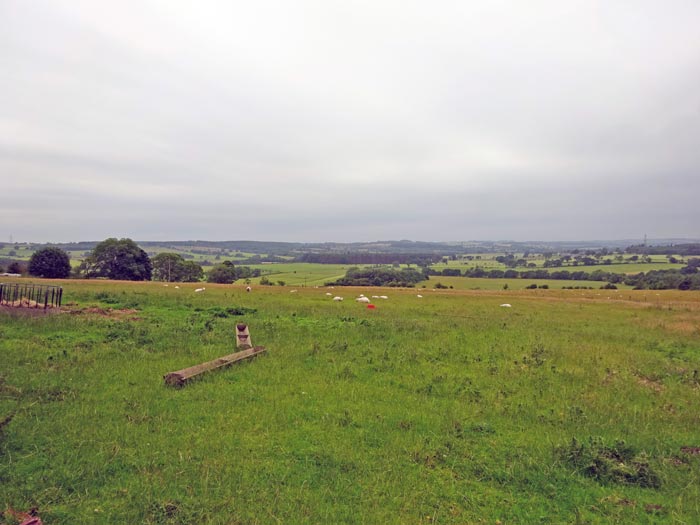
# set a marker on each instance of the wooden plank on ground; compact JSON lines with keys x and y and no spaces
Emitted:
{"x":181,"y":377}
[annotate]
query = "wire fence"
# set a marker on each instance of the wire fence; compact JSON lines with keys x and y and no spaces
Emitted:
{"x":30,"y":295}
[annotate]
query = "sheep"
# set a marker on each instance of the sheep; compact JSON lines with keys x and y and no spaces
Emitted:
{"x":383,"y":297}
{"x":375,"y":297}
{"x":292,"y":291}
{"x":336,"y":298}
{"x":248,"y":288}
{"x":505,"y":305}
{"x":419,"y":296}
{"x":200,"y":289}
{"x":362,"y":299}
{"x":177,"y":287}
{"x":329,"y":293}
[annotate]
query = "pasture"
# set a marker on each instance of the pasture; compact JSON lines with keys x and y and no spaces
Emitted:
{"x":627,"y":268}
{"x":567,"y":407}
{"x":488,"y":262}
{"x":479,"y":283}
{"x":301,"y":274}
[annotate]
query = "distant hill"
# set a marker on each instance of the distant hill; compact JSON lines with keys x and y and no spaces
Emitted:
{"x":408,"y":247}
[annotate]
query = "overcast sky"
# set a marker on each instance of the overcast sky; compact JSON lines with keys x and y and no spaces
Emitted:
{"x":349,"y":120}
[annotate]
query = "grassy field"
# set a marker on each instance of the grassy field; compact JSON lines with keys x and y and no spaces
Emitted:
{"x":567,"y":407}
{"x":622,"y":268}
{"x":300,"y":274}
{"x":471,"y":283}
{"x":491,"y":264}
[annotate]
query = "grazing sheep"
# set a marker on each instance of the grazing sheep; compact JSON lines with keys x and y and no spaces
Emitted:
{"x":177,"y":287}
{"x":248,"y":288}
{"x":362,"y":299}
{"x":336,"y":298}
{"x":329,"y":293}
{"x":200,"y":289}
{"x":375,"y":297}
{"x":383,"y":297}
{"x":292,"y":291}
{"x":419,"y":296}
{"x":505,"y":305}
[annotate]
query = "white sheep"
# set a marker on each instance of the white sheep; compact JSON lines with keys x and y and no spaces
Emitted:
{"x":200,"y":289}
{"x":337,"y":298}
{"x":419,"y":296}
{"x":505,"y":305}
{"x":177,"y":287}
{"x":383,"y":297}
{"x":248,"y":288}
{"x":362,"y":299}
{"x":329,"y":293}
{"x":292,"y":291}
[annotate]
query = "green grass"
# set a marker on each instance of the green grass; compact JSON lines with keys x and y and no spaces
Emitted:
{"x":445,"y":409}
{"x":473,"y":283}
{"x":489,"y":263}
{"x":623,"y":268}
{"x":299,"y":274}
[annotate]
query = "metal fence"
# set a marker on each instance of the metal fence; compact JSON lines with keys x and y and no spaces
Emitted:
{"x":30,"y":295}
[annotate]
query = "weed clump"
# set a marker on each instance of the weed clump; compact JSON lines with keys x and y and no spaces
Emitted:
{"x":107,"y":298}
{"x":230,"y":311}
{"x":617,"y":463}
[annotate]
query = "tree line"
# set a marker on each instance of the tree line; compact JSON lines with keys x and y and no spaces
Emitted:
{"x":686,"y":278}
{"x":380,"y":276}
{"x":123,"y":259}
{"x":684,"y":249}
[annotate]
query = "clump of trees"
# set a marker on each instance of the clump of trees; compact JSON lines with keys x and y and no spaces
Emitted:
{"x":172,"y":267}
{"x":228,"y":273}
{"x":51,"y":263}
{"x":16,"y":267}
{"x":380,"y":276}
{"x":687,"y":278}
{"x":119,"y":259}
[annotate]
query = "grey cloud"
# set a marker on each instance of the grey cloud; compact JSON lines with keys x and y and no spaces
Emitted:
{"x":334,"y":121}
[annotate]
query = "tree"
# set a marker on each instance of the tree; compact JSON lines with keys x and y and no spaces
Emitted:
{"x":172,"y":267}
{"x":191,"y":272}
{"x":14,"y":267}
{"x":118,"y":259}
{"x":222,"y":274}
{"x":51,"y":262}
{"x":165,"y":266}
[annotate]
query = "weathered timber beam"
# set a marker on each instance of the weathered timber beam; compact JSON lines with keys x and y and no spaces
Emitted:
{"x":181,"y":377}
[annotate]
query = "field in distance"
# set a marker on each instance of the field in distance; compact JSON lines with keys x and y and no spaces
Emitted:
{"x":569,"y":406}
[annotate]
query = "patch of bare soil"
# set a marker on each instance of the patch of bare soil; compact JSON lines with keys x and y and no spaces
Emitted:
{"x":656,"y":386}
{"x":27,"y":311}
{"x":113,"y":313}
{"x":609,"y":377}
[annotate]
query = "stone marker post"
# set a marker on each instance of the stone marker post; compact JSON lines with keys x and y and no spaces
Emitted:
{"x":243,"y":337}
